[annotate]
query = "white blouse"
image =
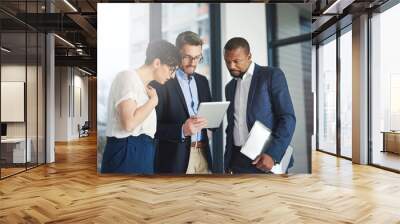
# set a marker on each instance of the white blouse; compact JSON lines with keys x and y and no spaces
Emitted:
{"x":128,"y":85}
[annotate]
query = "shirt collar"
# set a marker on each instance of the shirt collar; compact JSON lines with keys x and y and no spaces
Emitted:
{"x":180,"y":74}
{"x":250,"y":71}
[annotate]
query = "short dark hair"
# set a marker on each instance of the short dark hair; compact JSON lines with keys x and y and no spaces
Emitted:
{"x":163,"y":50}
{"x":237,"y":42}
{"x":188,"y":37}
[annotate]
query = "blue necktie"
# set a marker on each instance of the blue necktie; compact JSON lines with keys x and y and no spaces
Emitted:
{"x":192,"y":102}
{"x":191,"y":96}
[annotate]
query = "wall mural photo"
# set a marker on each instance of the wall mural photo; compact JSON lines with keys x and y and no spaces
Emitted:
{"x":201,"y":89}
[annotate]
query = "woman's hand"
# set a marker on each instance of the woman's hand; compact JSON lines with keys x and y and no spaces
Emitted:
{"x":152,"y":93}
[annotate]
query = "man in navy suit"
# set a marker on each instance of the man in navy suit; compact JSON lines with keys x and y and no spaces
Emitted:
{"x":256,"y":93}
{"x":183,"y":145}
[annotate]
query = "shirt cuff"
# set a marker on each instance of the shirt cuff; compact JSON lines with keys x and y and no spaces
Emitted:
{"x":182,"y":135}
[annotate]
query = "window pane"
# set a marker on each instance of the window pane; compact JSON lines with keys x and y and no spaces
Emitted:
{"x":385,"y":114}
{"x":177,"y":18}
{"x":327,"y":96}
{"x":289,"y":17}
{"x":13,"y":84}
{"x":346,"y":94}
{"x":295,"y":62}
{"x":129,"y":41}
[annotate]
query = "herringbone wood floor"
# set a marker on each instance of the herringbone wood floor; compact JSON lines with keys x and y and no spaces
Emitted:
{"x":70,"y":191}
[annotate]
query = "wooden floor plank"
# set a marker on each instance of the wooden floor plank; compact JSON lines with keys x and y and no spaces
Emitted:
{"x":71,"y":191}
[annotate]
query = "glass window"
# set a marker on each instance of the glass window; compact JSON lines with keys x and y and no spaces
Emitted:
{"x":346,"y":94}
{"x":327,"y":96}
{"x":177,"y":18}
{"x":22,"y":92}
{"x":385,"y":89}
{"x":288,"y":16}
{"x":295,"y":61}
{"x":132,"y":31}
{"x":13,"y":84}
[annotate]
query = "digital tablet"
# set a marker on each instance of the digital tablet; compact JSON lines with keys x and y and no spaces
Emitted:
{"x":259,"y":137}
{"x":213,"y":112}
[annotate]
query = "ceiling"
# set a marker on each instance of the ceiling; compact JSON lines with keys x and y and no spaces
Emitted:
{"x":332,"y":15}
{"x":75,"y":21}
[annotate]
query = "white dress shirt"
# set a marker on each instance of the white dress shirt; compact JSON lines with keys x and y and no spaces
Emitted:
{"x":240,"y":131}
{"x":128,"y":85}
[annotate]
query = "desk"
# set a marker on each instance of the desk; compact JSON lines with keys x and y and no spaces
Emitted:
{"x":13,"y":150}
{"x":391,"y":141}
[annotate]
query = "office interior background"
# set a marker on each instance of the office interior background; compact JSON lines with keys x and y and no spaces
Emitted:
{"x":357,"y":84}
{"x":26,"y":51}
{"x":49,"y":104}
{"x":48,"y":84}
{"x":216,"y":24}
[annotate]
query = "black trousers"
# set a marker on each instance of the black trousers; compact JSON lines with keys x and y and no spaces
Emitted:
{"x":241,"y":163}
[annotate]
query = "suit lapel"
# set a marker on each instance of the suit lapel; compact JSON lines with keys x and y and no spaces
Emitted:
{"x":232,"y":94}
{"x":252,"y":91}
{"x":181,"y":96}
{"x":200,"y":94}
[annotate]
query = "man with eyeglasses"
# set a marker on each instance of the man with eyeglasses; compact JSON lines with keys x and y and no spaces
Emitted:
{"x":183,"y":145}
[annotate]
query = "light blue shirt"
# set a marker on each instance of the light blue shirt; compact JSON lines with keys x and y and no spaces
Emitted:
{"x":189,"y":89}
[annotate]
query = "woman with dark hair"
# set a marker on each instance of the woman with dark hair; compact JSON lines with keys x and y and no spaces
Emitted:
{"x":131,"y":119}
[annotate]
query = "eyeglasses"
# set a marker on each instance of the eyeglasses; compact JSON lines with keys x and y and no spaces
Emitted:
{"x":189,"y":58}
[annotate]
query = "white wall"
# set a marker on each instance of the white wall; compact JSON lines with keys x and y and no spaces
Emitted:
{"x":16,"y":73}
{"x":61,"y":103}
{"x":247,"y":21}
{"x":67,"y":116}
{"x":80,"y":83}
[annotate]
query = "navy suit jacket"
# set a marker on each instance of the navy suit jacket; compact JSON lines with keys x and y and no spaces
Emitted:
{"x":172,"y":153}
{"x":270,"y":103}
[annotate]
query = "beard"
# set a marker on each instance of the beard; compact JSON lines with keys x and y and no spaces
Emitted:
{"x":240,"y":75}
{"x":191,"y":68}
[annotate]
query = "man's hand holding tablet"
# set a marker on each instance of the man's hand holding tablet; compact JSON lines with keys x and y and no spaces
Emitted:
{"x":213,"y":112}
{"x":194,"y":125}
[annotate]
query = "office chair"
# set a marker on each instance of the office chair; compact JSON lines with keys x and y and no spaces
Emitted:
{"x":84,"y":130}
